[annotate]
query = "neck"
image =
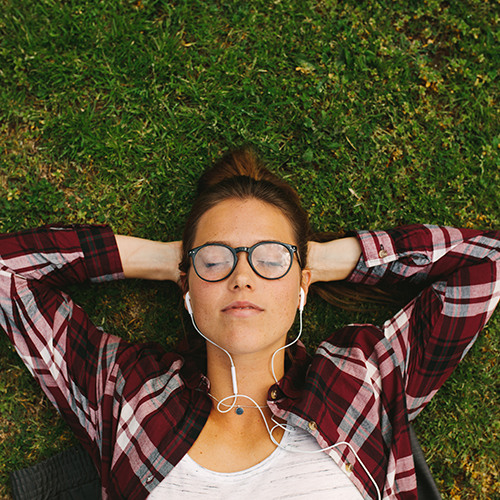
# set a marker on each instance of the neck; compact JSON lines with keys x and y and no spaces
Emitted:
{"x":253,"y":375}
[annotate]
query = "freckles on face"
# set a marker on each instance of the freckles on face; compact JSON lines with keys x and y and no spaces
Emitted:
{"x":245,"y":311}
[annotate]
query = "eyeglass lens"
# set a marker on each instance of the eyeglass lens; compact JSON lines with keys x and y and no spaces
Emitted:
{"x":269,"y":260}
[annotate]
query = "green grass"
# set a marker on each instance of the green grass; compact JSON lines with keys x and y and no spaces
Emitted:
{"x":380,"y":112}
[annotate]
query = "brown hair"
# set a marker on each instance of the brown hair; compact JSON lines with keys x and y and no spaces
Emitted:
{"x":241,"y":174}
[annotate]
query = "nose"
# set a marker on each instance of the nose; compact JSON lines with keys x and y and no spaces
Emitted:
{"x":243,"y":275}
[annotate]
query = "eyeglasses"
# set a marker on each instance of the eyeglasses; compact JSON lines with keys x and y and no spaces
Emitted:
{"x":271,"y":260}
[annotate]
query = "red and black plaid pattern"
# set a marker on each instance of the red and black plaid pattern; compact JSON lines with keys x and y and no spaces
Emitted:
{"x":138,"y":409}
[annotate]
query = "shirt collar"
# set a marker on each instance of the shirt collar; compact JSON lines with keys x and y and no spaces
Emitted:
{"x":293,"y":382}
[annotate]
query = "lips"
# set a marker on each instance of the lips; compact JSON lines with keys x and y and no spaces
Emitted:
{"x":242,"y":307}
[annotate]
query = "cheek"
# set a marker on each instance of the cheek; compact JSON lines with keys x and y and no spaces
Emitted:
{"x":285,"y":299}
{"x":280,"y":298}
{"x":201,"y":293}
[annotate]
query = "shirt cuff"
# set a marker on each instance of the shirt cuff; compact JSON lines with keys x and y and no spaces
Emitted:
{"x":102,"y":259}
{"x":378,"y":251}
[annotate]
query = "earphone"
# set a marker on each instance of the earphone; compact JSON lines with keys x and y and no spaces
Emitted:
{"x":302,"y":300}
{"x":189,"y":307}
{"x":187,"y":302}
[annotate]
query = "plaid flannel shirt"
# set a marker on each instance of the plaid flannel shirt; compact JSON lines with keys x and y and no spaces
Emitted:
{"x":138,"y":409}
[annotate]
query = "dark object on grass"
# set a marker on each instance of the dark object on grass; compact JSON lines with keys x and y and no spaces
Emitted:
{"x":69,"y":475}
{"x":426,"y":486}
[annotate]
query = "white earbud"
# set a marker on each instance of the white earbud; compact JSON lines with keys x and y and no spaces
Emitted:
{"x":302,"y":299}
{"x":187,"y":301}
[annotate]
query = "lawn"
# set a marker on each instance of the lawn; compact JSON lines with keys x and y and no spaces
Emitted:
{"x":381,"y":113}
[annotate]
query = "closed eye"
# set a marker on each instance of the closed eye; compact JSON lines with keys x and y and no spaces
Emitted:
{"x":209,"y":265}
{"x":269,"y":263}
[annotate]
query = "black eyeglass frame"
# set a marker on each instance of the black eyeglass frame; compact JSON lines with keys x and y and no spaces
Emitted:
{"x":249,"y":250}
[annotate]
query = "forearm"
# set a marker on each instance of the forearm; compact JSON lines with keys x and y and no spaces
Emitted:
{"x":61,"y":255}
{"x":146,"y":259}
{"x":334,"y":260}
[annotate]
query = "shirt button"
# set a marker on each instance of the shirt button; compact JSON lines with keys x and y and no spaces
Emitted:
{"x":382,"y":253}
{"x":149,"y":479}
{"x":274,"y":394}
{"x":313,"y":425}
{"x":348,"y":467}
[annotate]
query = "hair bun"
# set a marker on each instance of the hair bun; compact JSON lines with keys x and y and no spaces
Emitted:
{"x":243,"y":161}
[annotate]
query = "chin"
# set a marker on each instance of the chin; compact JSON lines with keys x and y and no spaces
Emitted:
{"x":240,"y":343}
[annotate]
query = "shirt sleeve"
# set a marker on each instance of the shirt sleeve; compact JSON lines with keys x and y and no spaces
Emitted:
{"x":72,"y":360}
{"x":432,"y":333}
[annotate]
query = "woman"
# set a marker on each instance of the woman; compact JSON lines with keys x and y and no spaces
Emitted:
{"x":250,"y":419}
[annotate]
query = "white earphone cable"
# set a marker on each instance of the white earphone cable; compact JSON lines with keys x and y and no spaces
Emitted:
{"x":286,"y":346}
{"x":285,"y":426}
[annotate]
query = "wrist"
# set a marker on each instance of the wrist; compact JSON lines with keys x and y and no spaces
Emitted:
{"x":147,"y":259}
{"x":334,"y":260}
{"x":169,"y":265}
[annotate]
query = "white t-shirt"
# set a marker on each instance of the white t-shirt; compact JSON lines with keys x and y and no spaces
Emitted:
{"x":283,"y":474}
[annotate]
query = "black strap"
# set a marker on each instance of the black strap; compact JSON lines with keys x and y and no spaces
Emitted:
{"x":426,"y":486}
{"x":70,"y":475}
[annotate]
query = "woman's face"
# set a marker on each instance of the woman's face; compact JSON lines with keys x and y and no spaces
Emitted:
{"x":246,"y":313}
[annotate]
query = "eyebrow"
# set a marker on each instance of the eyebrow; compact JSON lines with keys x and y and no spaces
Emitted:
{"x":222,"y":242}
{"x":216,"y":242}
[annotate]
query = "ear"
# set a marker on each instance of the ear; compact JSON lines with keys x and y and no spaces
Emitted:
{"x":305,"y":283}
{"x":183,"y":282}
